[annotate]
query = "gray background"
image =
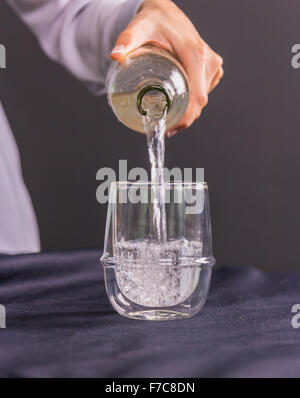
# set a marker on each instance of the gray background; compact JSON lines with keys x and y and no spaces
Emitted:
{"x":247,"y":138}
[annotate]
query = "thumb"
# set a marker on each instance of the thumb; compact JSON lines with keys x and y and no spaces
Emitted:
{"x":128,"y":40}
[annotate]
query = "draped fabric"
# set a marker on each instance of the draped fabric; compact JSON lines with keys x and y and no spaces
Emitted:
{"x":60,"y":324}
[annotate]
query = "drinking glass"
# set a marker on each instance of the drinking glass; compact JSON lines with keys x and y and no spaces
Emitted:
{"x":147,"y":277}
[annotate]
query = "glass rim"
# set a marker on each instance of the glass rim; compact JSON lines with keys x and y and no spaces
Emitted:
{"x":193,"y":185}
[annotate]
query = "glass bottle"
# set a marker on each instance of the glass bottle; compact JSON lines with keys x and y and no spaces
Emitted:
{"x":147,"y":73}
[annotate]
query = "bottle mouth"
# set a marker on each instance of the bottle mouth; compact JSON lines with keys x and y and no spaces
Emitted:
{"x":145,"y":93}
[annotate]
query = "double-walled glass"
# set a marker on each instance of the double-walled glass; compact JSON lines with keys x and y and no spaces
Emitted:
{"x":145,"y":277}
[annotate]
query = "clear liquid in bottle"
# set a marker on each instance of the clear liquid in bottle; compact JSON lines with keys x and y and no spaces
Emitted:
{"x":144,"y":70}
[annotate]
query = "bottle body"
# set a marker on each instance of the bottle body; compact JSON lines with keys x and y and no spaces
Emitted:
{"x":148,"y":69}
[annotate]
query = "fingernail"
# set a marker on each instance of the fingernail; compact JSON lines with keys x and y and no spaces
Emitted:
{"x":171,"y":133}
{"x":118,"y":49}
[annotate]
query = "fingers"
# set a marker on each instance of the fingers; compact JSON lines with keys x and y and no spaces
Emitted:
{"x":139,"y":32}
{"x":192,"y":113}
{"x":204,"y":72}
{"x":216,"y":79}
{"x":194,"y":63}
{"x":128,"y":40}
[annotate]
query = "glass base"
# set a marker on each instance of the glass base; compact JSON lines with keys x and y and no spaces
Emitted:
{"x":191,"y":306}
{"x":157,"y":315}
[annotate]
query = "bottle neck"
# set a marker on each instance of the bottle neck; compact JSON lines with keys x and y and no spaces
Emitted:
{"x":151,"y":96}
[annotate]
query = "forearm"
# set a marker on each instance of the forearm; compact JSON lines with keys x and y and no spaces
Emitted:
{"x":79,"y":34}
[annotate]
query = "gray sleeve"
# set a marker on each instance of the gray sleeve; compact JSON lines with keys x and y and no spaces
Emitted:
{"x":18,"y":225}
{"x":78,"y":34}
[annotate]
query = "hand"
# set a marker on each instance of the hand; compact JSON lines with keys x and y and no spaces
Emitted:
{"x":162,"y":23}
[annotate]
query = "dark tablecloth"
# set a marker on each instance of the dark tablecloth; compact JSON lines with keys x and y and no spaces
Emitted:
{"x":60,"y":324}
